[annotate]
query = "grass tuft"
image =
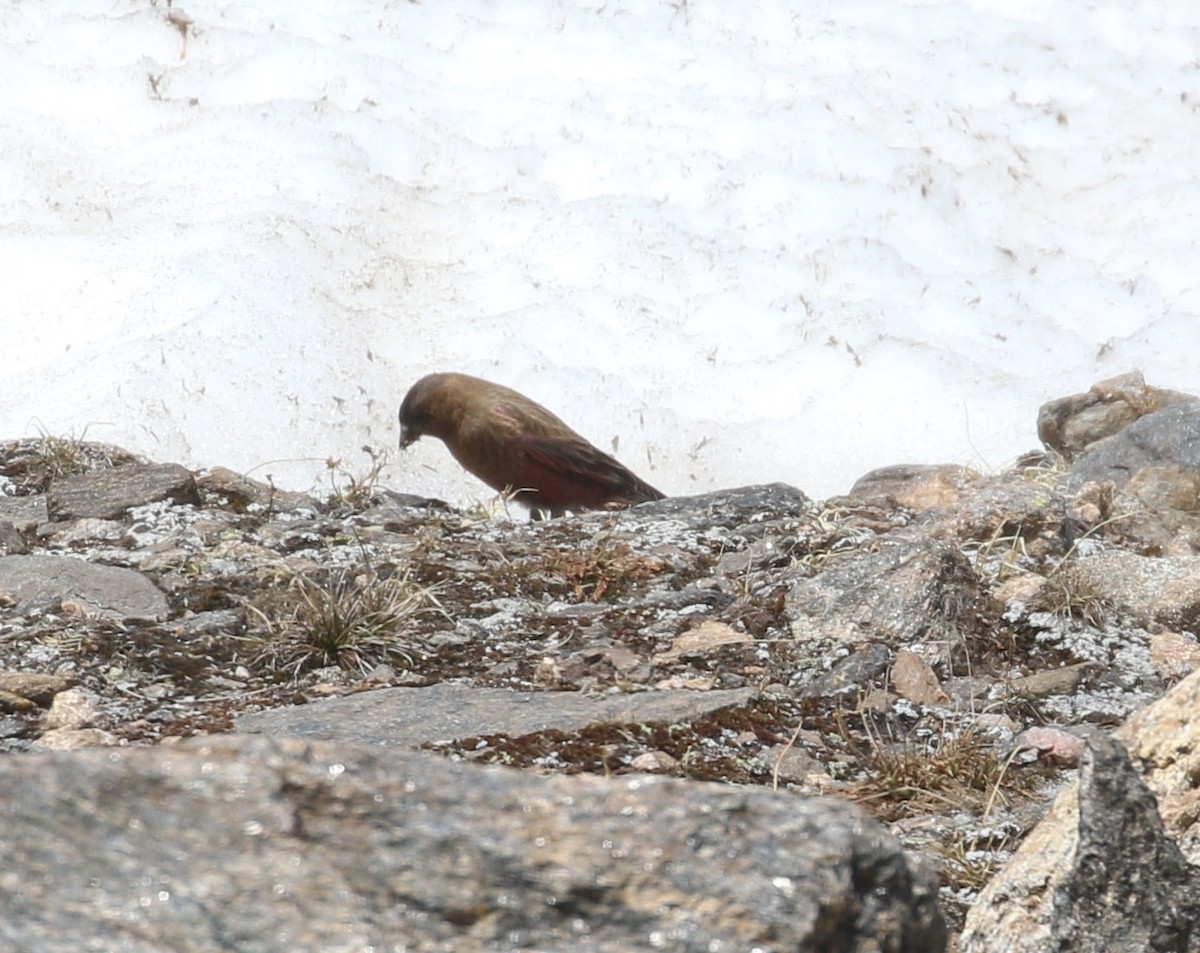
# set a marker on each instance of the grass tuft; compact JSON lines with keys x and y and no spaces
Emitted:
{"x":355,"y":490}
{"x":1069,"y":597}
{"x":964,"y":772}
{"x":34,"y":465}
{"x":353,"y":619}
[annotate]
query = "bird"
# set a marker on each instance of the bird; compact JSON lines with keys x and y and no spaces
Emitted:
{"x":514,"y":444}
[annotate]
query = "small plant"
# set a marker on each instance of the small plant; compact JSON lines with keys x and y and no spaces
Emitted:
{"x":357,"y":491}
{"x":352,"y":619}
{"x":1070,"y":597}
{"x":962,"y":771}
{"x":33,"y":465}
{"x":967,"y":860}
{"x":484,"y":511}
{"x":1046,"y":470}
{"x":1020,"y":704}
{"x":594,"y":572}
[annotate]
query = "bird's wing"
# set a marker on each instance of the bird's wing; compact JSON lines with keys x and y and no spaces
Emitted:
{"x":573,"y":462}
{"x":522,"y":416}
{"x":560,"y":467}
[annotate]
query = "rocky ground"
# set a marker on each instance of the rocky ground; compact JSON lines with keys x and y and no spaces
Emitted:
{"x":934,"y":647}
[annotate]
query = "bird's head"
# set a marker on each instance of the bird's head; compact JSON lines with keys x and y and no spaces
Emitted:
{"x":417,"y":409}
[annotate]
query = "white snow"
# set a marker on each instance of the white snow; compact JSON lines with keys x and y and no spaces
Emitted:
{"x":740,"y":242}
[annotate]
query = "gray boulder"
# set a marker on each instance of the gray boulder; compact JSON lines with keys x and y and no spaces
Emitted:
{"x":253,"y":844}
{"x":1074,"y":424}
{"x":108,"y":494}
{"x":39,"y":583}
{"x":1168,"y":437}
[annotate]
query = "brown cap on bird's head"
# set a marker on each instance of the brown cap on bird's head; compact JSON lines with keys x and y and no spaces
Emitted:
{"x":415,"y":410}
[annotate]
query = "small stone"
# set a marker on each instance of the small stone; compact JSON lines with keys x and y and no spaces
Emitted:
{"x":1164,"y":437}
{"x":87,"y":530}
{"x":238,"y":492}
{"x":915,"y":487}
{"x":380,"y":673}
{"x":759,"y":555}
{"x":548,"y":672}
{"x":968,"y":689}
{"x":996,"y":722}
{"x":621,"y":658}
{"x":654,"y":762}
{"x":74,"y":708}
{"x":691,"y":684}
{"x":26,"y":513}
{"x":37,"y":688}
{"x":13,"y":727}
{"x":414,"y":716}
{"x":1093,"y":502}
{"x":221,"y":683}
{"x":11,"y":540}
{"x":1021,"y":589}
{"x":1165,"y":590}
{"x":71,"y":739}
{"x":892,"y":594}
{"x":705,"y":638}
{"x":1055,"y":681}
{"x":792,"y":765}
{"x":913,"y":678}
{"x":1070,"y":425}
{"x":877,"y":701}
{"x":1173,"y":655}
{"x":1052,"y":744}
{"x":11,"y":701}
{"x":853,"y":674}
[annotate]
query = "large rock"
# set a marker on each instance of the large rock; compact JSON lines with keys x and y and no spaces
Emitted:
{"x":25,"y":513}
{"x":238,"y":492}
{"x":24,"y":690}
{"x":43,"y":582}
{"x":1071,"y":425}
{"x":1168,"y":437}
{"x":1113,"y":865}
{"x":917,"y":487}
{"x":1158,"y":509}
{"x":1001,"y":507}
{"x":908,"y":590}
{"x":448,"y":711}
{"x":255,"y":845}
{"x":1163,"y":590}
{"x":732,"y":508}
{"x":108,"y":494}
